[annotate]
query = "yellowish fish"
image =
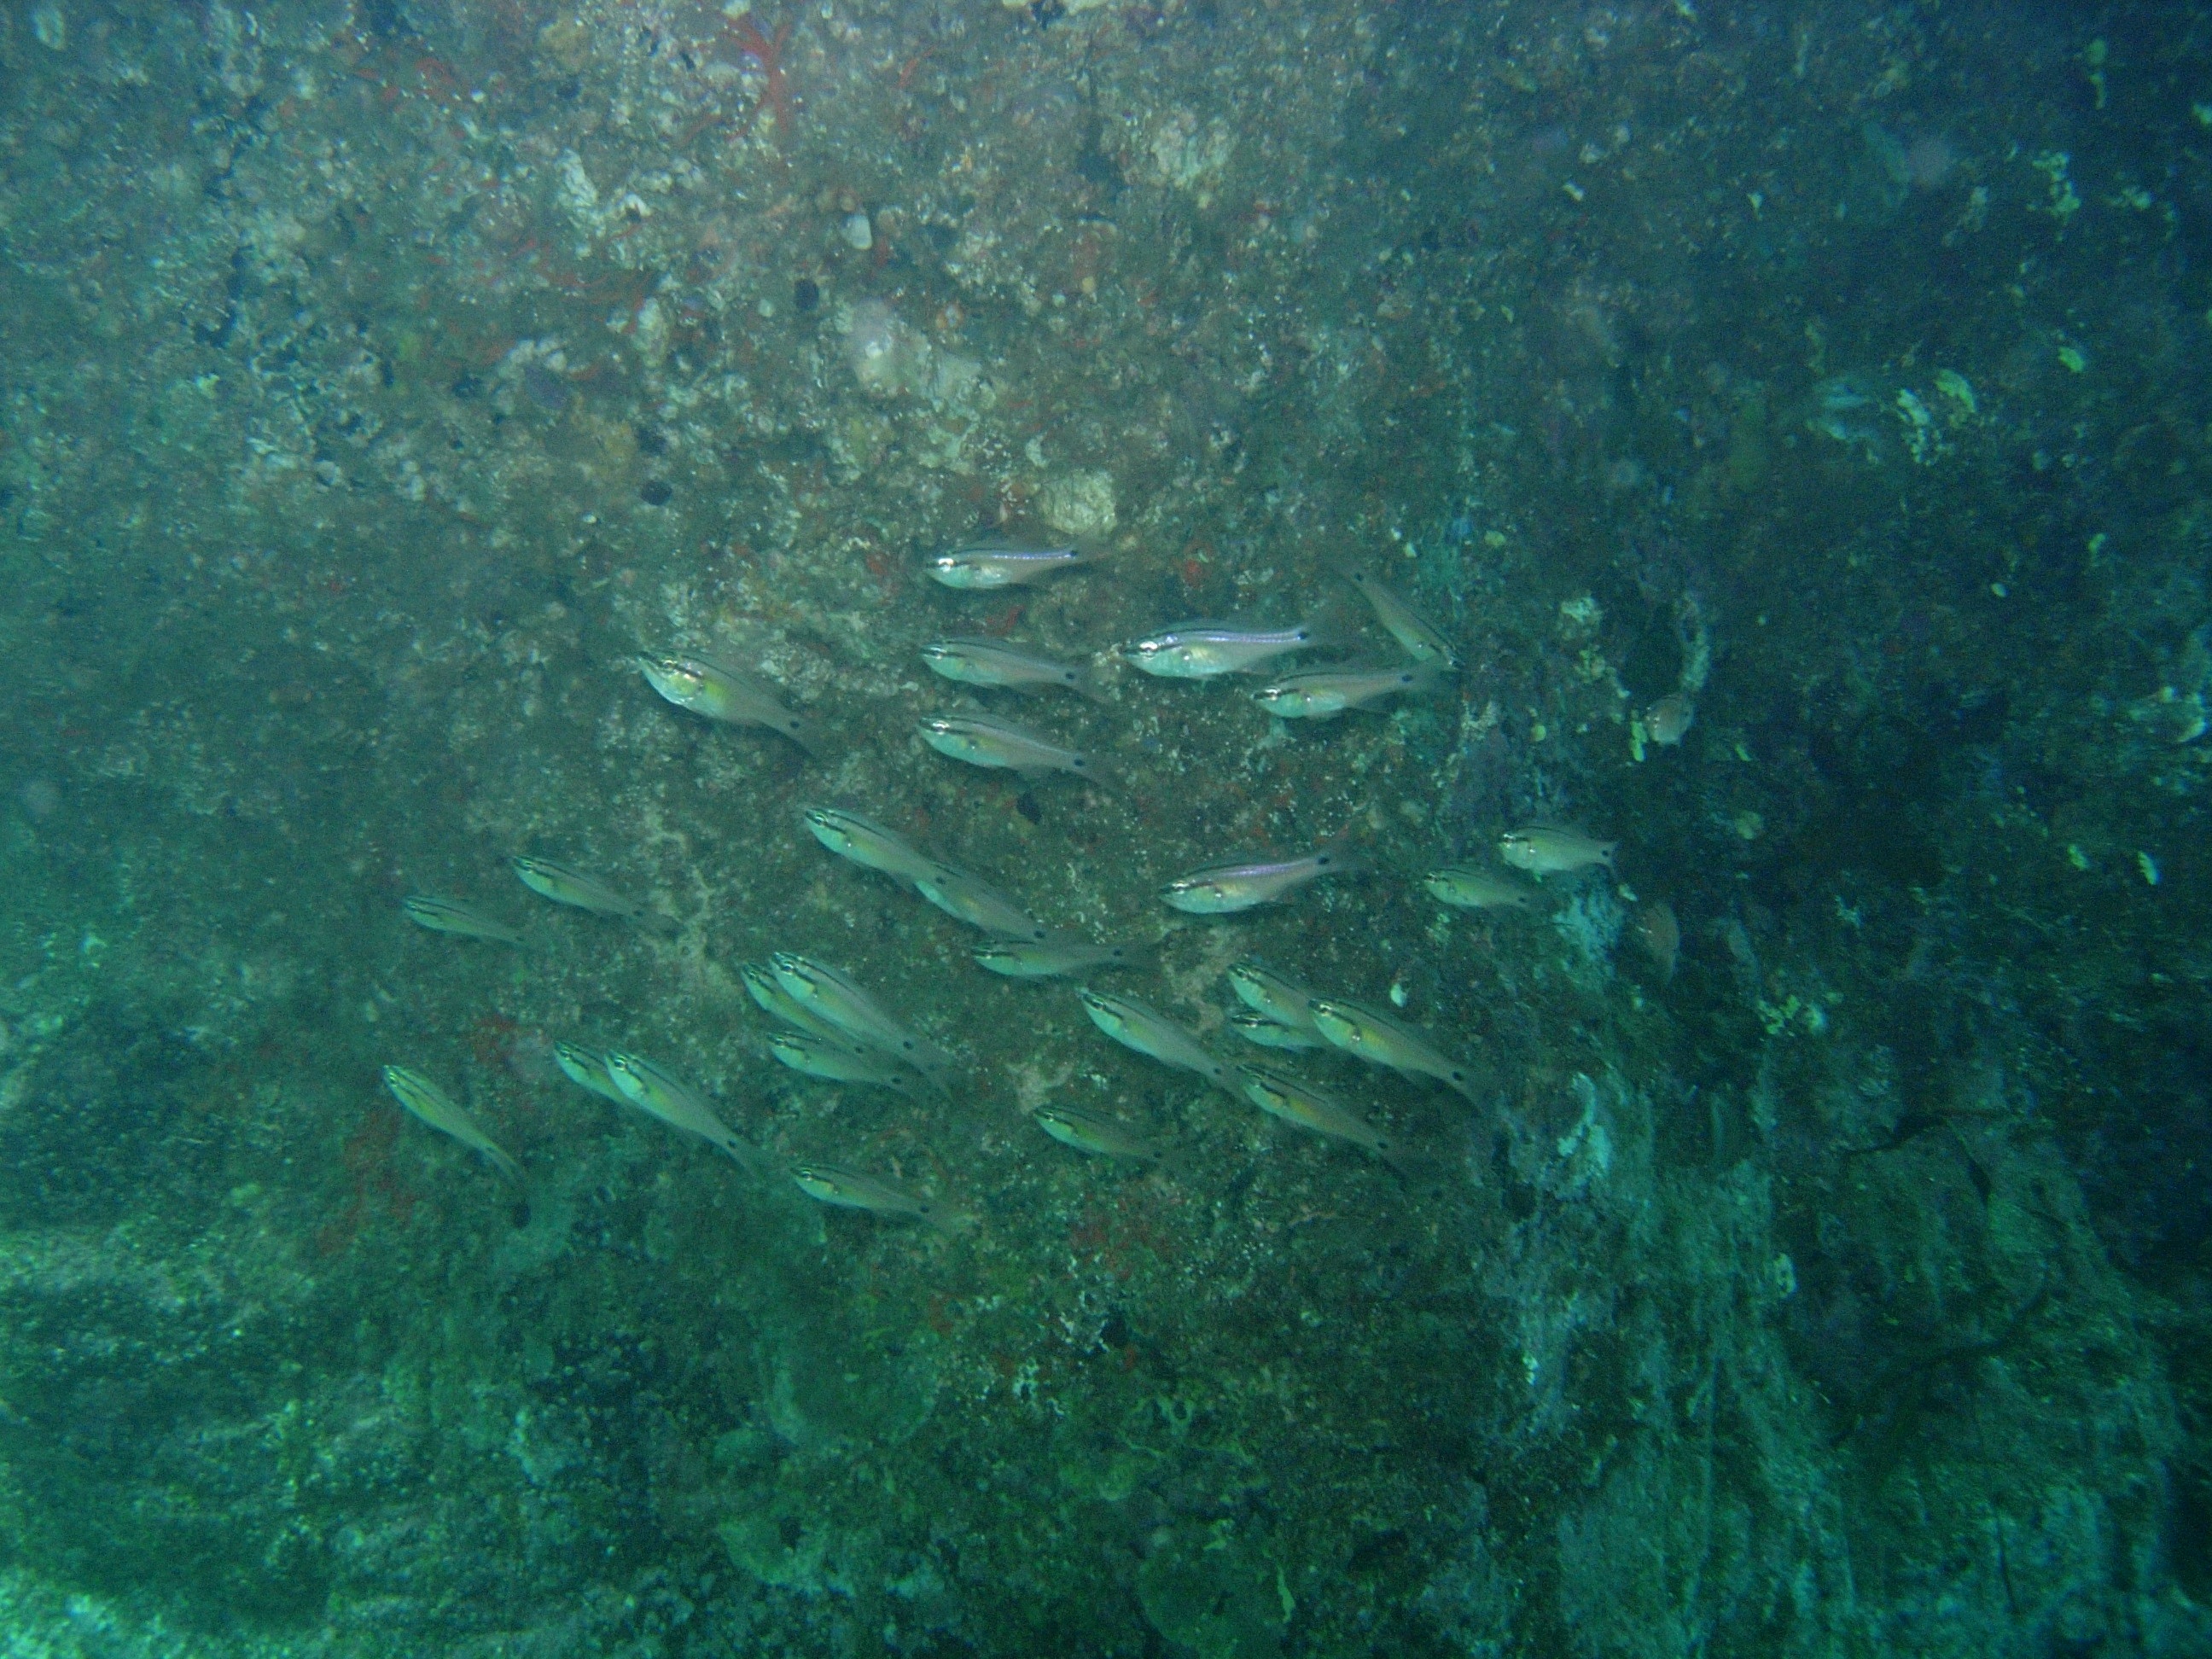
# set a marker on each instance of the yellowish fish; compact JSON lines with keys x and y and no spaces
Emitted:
{"x":834,"y":1059}
{"x":769,"y":994}
{"x":652,"y":1091}
{"x":579,"y":891}
{"x":1280,"y":1094}
{"x":1001,"y":666}
{"x":1138,"y":1025}
{"x":830,"y":995}
{"x":1258,"y":1028}
{"x":982,"y":740}
{"x":1416,"y":637}
{"x":1233,"y":885}
{"x":713,"y":688}
{"x":968,"y":897}
{"x":1205,"y":650}
{"x":428,"y":1102}
{"x":1469,"y":889}
{"x":587,"y":1069}
{"x":1325,"y":693}
{"x":445,"y":916}
{"x":1368,"y":1034}
{"x":1544,"y":850}
{"x":862,"y":840}
{"x":1272,"y":995}
{"x":1095,"y":1134}
{"x":1047,"y":958}
{"x":985,"y":566}
{"x":848,"y":1189}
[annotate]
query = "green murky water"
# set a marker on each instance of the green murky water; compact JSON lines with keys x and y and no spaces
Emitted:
{"x":1792,"y":417}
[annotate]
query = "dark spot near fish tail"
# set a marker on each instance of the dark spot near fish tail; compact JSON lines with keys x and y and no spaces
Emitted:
{"x":805,"y":294}
{"x":655,"y":492}
{"x":1026,"y":805}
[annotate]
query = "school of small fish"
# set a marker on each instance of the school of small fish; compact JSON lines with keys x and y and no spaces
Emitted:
{"x":829,"y":1027}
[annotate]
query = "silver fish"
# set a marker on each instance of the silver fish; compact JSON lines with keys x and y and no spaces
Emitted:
{"x":983,"y":741}
{"x":1273,"y":996}
{"x":428,"y":1102}
{"x":848,"y":1189}
{"x":1372,"y":1035}
{"x":1005,"y":667}
{"x":1416,"y":637}
{"x":445,"y":916}
{"x":833,"y":996}
{"x":587,"y":1069}
{"x":651,"y":1089}
{"x":1138,"y":1025}
{"x":1543,"y":850}
{"x":768,"y":993}
{"x":967,"y":897}
{"x":867,"y":843}
{"x":986,"y":566}
{"x":1095,"y":1134}
{"x":1047,"y":958}
{"x":1470,"y":888}
{"x":720,"y":692}
{"x":1203,"y":650}
{"x":1280,"y":1095}
{"x":1259,"y":1029}
{"x":1327,"y":692}
{"x":572,"y":887}
{"x":1215,"y":889}
{"x":834,"y":1059}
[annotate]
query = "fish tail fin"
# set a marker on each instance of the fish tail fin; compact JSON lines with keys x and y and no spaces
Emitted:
{"x":1420,"y":1172}
{"x":1094,"y":770}
{"x":1086,"y":684}
{"x":1332,"y":624}
{"x":1346,"y":854}
{"x":1137,"y":958}
{"x":659,"y":923}
{"x":805,"y":731}
{"x":1427,"y":678}
{"x":501,"y":1159}
{"x":1476,"y":1084}
{"x":944,"y":1218}
{"x":748,"y":1157}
